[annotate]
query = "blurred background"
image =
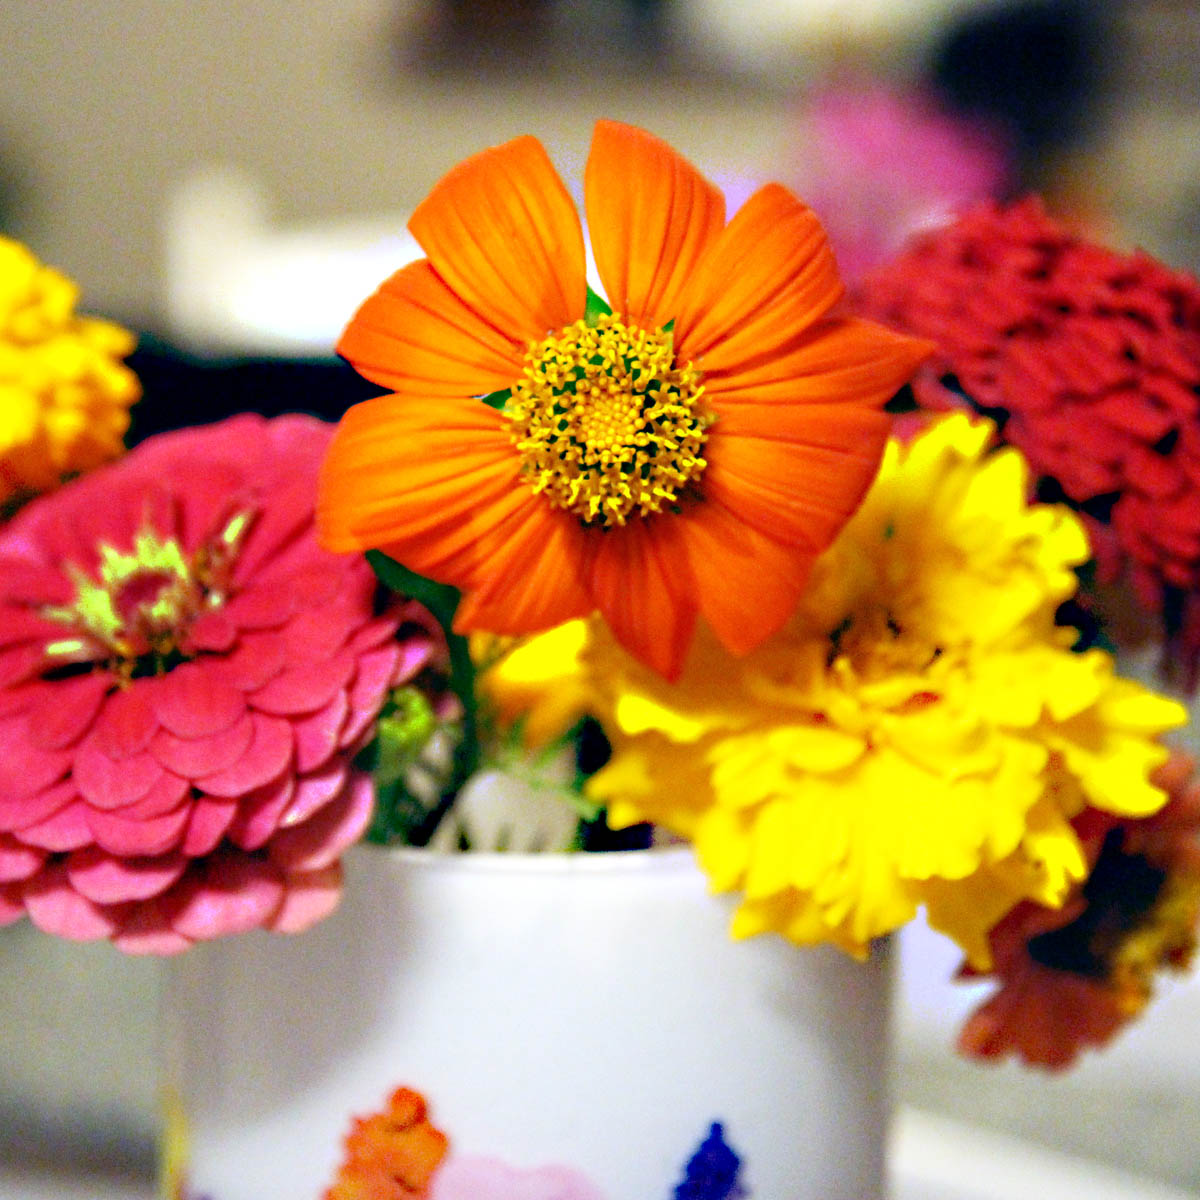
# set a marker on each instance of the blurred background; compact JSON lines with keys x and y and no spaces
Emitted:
{"x":231,"y":179}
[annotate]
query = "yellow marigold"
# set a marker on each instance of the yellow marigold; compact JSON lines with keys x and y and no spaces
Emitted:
{"x":919,"y":734}
{"x":537,"y":683}
{"x":64,"y":392}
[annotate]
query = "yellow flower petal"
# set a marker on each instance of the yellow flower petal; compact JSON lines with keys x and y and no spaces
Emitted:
{"x":64,"y":393}
{"x":919,"y":734}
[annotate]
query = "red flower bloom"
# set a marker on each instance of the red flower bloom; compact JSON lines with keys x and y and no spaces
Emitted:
{"x":1090,"y":361}
{"x":185,"y":677}
{"x":1070,"y":978}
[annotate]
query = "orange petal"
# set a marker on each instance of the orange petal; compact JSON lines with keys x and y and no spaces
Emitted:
{"x":794,"y":472}
{"x":502,"y":231}
{"x":747,"y":583}
{"x":532,"y":577}
{"x":769,"y":276}
{"x":643,"y":587}
{"x":843,"y":359}
{"x":415,"y":336}
{"x":429,"y":486}
{"x":651,"y":216}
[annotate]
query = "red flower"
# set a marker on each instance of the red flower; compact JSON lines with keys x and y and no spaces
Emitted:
{"x":1070,"y":978}
{"x":1090,"y":361}
{"x":185,"y":677}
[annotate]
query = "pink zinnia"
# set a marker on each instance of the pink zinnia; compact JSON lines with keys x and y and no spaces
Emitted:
{"x":185,"y":678}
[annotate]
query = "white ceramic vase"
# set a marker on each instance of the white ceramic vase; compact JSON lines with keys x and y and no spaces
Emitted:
{"x":583,"y":1010}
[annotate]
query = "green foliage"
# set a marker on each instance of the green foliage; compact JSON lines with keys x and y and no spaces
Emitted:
{"x":597,"y":307}
{"x":442,"y":601}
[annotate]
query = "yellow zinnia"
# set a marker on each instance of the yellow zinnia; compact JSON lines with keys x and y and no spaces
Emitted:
{"x":64,"y":392}
{"x":920,"y":733}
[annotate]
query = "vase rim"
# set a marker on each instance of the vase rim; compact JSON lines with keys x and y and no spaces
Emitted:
{"x":570,"y":862}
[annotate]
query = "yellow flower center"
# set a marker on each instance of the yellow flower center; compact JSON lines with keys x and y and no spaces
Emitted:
{"x":136,"y":609}
{"x":608,"y":425}
{"x":882,"y":660}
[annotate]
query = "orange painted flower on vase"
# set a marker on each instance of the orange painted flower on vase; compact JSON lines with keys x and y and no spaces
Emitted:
{"x":688,"y":453}
{"x":390,"y":1155}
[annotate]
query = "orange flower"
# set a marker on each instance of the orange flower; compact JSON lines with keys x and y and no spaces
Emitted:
{"x":391,"y":1155}
{"x":689,"y":454}
{"x":1070,"y":978}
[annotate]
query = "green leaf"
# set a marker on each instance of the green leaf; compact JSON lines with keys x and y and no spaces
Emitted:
{"x":498,"y":400}
{"x":597,"y":307}
{"x":398,"y":816}
{"x":440,"y":598}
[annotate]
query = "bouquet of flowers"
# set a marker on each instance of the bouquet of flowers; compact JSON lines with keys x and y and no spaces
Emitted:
{"x":826,"y":585}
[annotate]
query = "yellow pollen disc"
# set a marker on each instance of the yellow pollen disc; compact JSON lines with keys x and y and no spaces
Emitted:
{"x":606,"y":422}
{"x":140,"y":601}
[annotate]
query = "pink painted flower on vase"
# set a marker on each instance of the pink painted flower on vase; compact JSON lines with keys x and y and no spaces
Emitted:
{"x":490,"y":1179}
{"x":185,"y":679}
{"x":879,"y":163}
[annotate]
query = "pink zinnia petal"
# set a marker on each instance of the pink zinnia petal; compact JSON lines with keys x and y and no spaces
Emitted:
{"x":317,"y":735}
{"x":193,"y":757}
{"x":319,"y":632}
{"x":258,"y":658}
{"x":268,"y":755}
{"x":107,"y":784}
{"x":33,"y":583}
{"x":19,"y":663}
{"x":18,"y":861}
{"x":19,"y":699}
{"x":191,"y":703}
{"x":62,"y":715}
{"x":107,"y":879}
{"x":21,"y":624}
{"x":260,"y":812}
{"x":12,"y":907}
{"x":229,"y":894}
{"x":305,"y":689}
{"x":213,"y":631}
{"x":374,"y":633}
{"x":210,"y":819}
{"x":288,"y":515}
{"x":141,"y":838}
{"x":125,"y":724}
{"x":19,"y":812}
{"x":55,"y":907}
{"x":66,"y":829}
{"x":148,"y":930}
{"x":310,"y":897}
{"x":376,"y":671}
{"x":259,"y":609}
{"x":314,"y":791}
{"x":24,"y":767}
{"x":320,"y":841}
{"x":164,"y":797}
